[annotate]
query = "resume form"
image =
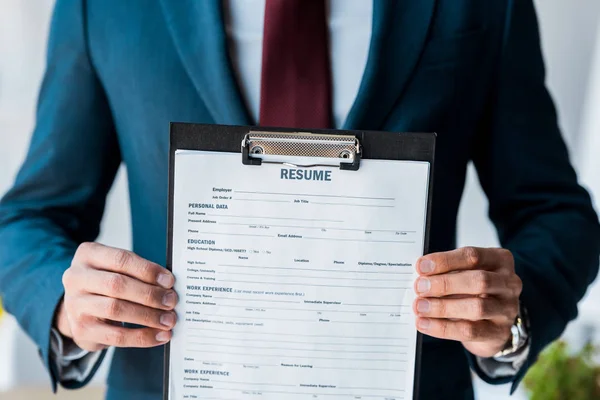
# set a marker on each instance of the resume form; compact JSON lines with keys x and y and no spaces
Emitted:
{"x":295,"y":283}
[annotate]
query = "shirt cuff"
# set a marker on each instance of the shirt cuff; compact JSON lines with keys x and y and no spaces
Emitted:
{"x":504,"y":366}
{"x":72,"y":363}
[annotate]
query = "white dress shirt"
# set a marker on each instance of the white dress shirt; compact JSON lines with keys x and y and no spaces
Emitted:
{"x":350,"y":26}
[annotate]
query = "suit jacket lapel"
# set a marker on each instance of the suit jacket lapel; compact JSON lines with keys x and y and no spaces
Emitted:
{"x":400,"y":28}
{"x":198,"y":31}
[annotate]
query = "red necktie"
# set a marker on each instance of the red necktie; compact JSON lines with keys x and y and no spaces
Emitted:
{"x":295,"y":88}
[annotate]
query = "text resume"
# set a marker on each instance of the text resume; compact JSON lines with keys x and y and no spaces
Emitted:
{"x":295,"y":283}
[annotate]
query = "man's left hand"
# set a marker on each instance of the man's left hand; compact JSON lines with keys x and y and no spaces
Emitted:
{"x":470,"y":295}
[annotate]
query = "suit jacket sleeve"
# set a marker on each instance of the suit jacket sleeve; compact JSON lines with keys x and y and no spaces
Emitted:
{"x":58,"y":197}
{"x":541,"y":213}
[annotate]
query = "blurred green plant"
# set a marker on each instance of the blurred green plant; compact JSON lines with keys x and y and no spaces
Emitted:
{"x":561,"y":375}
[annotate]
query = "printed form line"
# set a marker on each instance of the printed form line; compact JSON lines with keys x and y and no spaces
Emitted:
{"x":258,"y":318}
{"x":307,"y":309}
{"x":318,"y":285}
{"x":295,"y":342}
{"x":297,"y":334}
{"x":343,"y":395}
{"x":272,"y":217}
{"x":323,"y":227}
{"x":317,"y":195}
{"x":286,"y":356}
{"x":293,"y":349}
{"x":223,"y":362}
{"x":317,"y":270}
{"x":312,"y":277}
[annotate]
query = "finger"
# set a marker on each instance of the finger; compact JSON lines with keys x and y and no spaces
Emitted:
{"x":106,"y":334}
{"x":465,"y":258}
{"x":123,"y":287}
{"x":125,"y":311}
{"x":124,"y":262}
{"x":472,"y":309}
{"x":462,"y":331}
{"x":475,"y":283}
{"x":89,"y":346}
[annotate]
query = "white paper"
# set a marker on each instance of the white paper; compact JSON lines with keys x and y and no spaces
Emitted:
{"x":295,"y":288}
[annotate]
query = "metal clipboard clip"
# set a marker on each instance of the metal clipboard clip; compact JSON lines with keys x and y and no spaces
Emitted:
{"x":325,"y":150}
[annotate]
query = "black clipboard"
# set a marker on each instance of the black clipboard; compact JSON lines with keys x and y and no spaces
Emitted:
{"x":376,"y":145}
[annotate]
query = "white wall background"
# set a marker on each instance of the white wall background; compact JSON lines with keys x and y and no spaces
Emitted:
{"x":571,"y":42}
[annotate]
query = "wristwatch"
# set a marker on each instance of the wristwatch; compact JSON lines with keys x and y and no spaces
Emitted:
{"x":519,"y":336}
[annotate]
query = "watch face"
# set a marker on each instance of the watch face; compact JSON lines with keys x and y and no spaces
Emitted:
{"x":515,"y":336}
{"x":519,"y":340}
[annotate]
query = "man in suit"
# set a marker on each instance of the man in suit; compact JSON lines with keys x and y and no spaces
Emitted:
{"x":119,"y":71}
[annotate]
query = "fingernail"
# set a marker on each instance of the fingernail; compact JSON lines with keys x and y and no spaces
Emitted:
{"x":162,"y":336}
{"x":165,"y":280}
{"x":170,"y":299}
{"x":423,"y":285}
{"x":426,"y":266}
{"x":167,"y":319}
{"x":424,"y":323}
{"x":423,"y":306}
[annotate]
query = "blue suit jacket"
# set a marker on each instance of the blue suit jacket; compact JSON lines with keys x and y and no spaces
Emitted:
{"x":119,"y":71}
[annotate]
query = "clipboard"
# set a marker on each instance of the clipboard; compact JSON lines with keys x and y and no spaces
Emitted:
{"x":263,"y":145}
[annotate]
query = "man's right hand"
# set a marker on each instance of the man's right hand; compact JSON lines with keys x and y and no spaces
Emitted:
{"x":106,"y":286}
